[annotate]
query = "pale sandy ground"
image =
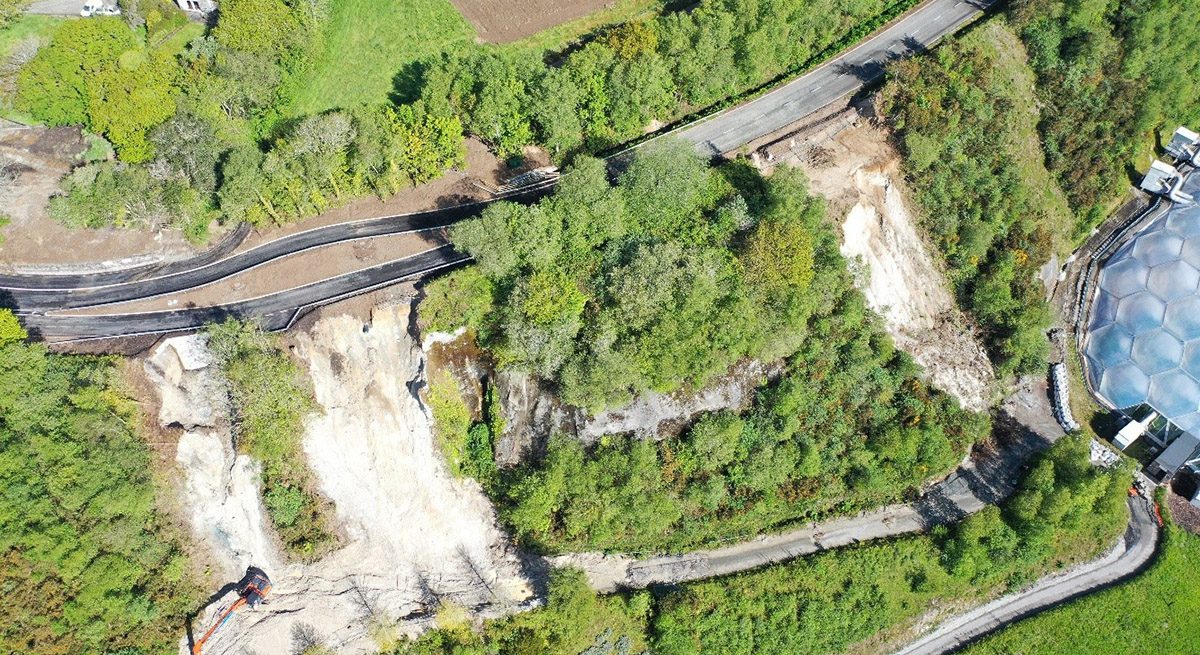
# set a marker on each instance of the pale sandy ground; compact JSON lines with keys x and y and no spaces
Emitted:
{"x":413,"y":535}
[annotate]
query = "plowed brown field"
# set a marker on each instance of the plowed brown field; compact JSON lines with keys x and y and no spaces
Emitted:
{"x":505,"y":21}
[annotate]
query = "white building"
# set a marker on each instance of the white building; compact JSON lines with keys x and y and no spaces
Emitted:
{"x":197,"y":6}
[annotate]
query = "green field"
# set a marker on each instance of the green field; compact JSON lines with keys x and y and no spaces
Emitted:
{"x":1157,"y":612}
{"x":367,"y":42}
{"x":24,"y":27}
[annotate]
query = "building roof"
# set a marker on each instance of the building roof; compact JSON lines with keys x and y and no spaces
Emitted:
{"x":1178,"y":453}
{"x":1143,"y":343}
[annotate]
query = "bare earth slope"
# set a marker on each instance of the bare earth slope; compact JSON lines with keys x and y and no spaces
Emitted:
{"x":414,"y":535}
{"x":852,"y":165}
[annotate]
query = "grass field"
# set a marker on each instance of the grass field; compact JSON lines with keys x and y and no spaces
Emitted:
{"x":367,"y":42}
{"x":1157,"y":612}
{"x":24,"y":27}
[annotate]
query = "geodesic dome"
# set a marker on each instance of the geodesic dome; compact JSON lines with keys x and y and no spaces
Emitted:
{"x":1143,"y":344}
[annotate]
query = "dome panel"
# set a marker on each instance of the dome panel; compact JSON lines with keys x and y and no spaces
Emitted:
{"x":1173,"y":280}
{"x":1191,"y":251}
{"x":1143,"y":344}
{"x":1185,"y":221}
{"x":1157,"y":247}
{"x":1189,"y":422}
{"x":1191,"y":359}
{"x":1183,"y":318}
{"x":1124,"y":277}
{"x":1141,"y":312}
{"x":1157,"y":351}
{"x":1110,"y":345}
{"x":1125,"y":385}
{"x":1104,"y":308}
{"x":1174,"y":393}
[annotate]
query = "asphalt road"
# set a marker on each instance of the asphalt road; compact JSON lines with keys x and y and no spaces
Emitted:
{"x":1140,"y":544}
{"x":32,"y":293}
{"x":49,"y":280}
{"x":915,"y":31}
{"x":275,"y":311}
{"x":37,"y":296}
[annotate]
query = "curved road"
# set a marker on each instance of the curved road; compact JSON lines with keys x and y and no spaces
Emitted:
{"x":1129,"y":559}
{"x":35,"y":296}
{"x":981,"y":481}
{"x":913,"y":32}
{"x":228,"y":244}
{"x":46,"y":293}
{"x":276,"y":311}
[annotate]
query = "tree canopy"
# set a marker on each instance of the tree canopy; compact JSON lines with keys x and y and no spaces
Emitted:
{"x":663,"y":281}
{"x":87,"y":562}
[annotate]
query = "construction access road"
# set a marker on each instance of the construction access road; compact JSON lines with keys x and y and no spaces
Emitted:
{"x":45,"y":300}
{"x":984,"y":479}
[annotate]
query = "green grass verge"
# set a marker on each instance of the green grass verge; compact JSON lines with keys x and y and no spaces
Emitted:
{"x":25,"y":27}
{"x":367,"y":43}
{"x":1156,"y":612}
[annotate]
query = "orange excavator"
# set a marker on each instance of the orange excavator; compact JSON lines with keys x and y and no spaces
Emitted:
{"x":252,"y":590}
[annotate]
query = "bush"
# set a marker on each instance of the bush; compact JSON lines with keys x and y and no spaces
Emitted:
{"x":451,"y":420}
{"x":851,"y":599}
{"x":657,"y":284}
{"x":111,"y":194}
{"x":611,"y":291}
{"x":271,"y":398}
{"x":574,"y":620}
{"x":462,"y":298}
{"x":981,"y":185}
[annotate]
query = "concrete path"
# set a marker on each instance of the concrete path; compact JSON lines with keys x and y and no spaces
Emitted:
{"x":55,"y":7}
{"x":1132,"y":554}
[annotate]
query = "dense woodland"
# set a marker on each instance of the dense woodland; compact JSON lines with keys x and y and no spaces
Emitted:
{"x":87,"y":563}
{"x":966,"y":119}
{"x":658,"y":281}
{"x":663,"y":280}
{"x":1097,"y":80}
{"x":1064,"y":511}
{"x":1109,"y":74}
